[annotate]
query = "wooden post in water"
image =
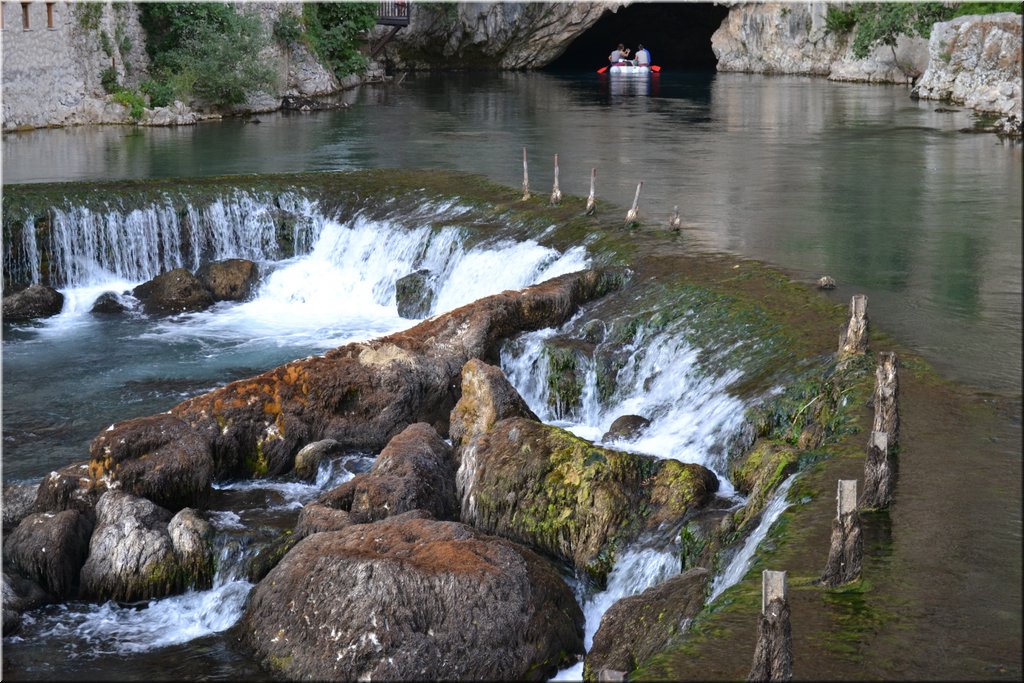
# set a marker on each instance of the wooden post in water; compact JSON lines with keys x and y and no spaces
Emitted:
{"x":886,"y":398}
{"x":591,"y":201}
{"x":674,"y":222}
{"x":556,"y":194}
{"x":610,"y":675}
{"x":847,"y":549}
{"x":854,"y":339}
{"x":526,"y":178}
{"x":879,"y":473}
{"x":633,"y":216}
{"x":773,"y":655}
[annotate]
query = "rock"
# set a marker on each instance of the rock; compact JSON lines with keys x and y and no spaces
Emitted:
{"x":69,"y":488}
{"x":487,"y":397}
{"x":639,"y":626}
{"x":976,"y":61}
{"x":316,"y":517}
{"x":230,"y":280}
{"x":414,"y":294}
{"x":562,"y":495}
{"x":626,"y":428}
{"x":176,"y":291}
{"x":35,"y":301}
{"x":302,"y":103}
{"x":138,"y":551}
{"x":157,"y":457}
{"x":415,"y":471}
{"x":759,"y":473}
{"x":501,"y":35}
{"x":50,"y":548}
{"x":359,"y":394}
{"x":308,"y":459}
{"x":19,"y":595}
{"x":18,"y":503}
{"x":825,"y":282}
{"x":412,"y":598}
{"x":109,"y":303}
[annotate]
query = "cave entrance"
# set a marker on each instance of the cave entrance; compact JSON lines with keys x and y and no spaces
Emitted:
{"x":678,"y":35}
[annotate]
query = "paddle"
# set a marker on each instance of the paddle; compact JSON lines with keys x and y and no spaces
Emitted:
{"x":655,"y":68}
{"x":602,"y":69}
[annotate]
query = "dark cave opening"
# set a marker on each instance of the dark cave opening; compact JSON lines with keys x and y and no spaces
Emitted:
{"x":677,"y":34}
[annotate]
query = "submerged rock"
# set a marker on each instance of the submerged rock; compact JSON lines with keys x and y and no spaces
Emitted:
{"x":626,"y":427}
{"x":176,"y":291}
{"x":411,"y":598}
{"x":415,"y":471}
{"x":110,"y":303}
{"x":19,"y":595}
{"x":229,"y":280}
{"x":414,"y":294}
{"x":308,"y":459}
{"x":360,"y":395}
{"x":35,"y":301}
{"x":50,"y":549}
{"x":139,"y":551}
{"x":638,"y":626}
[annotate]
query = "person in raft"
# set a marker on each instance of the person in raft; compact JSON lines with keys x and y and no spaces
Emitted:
{"x":643,"y":57}
{"x":619,"y":54}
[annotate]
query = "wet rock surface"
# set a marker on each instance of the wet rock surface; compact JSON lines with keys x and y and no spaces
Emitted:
{"x":414,"y":294}
{"x":50,"y":549}
{"x":412,"y":598}
{"x":35,"y":301}
{"x":229,"y":280}
{"x":176,"y":291}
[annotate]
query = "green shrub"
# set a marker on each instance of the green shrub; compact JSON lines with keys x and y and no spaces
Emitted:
{"x":287,"y":28}
{"x":108,"y":79}
{"x":882,"y":23}
{"x":133,"y":101}
{"x":334,"y":30}
{"x":160,"y":94}
{"x":207,"y":50}
{"x":89,"y":14}
{"x":105,"y":44}
{"x":966,"y":8}
{"x":840,"y":22}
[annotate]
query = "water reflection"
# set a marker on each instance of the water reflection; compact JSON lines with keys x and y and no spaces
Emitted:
{"x":856,"y":181}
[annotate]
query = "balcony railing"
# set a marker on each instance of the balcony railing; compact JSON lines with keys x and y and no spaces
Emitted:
{"x":394,"y":13}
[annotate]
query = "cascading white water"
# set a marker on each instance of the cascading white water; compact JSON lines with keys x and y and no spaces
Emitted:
{"x":740,"y":563}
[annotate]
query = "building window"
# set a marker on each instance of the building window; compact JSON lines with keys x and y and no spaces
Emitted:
{"x":24,"y":16}
{"x":49,"y":15}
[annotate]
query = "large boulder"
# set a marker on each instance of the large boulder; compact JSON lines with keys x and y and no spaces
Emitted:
{"x":487,"y":397}
{"x":230,"y":280}
{"x":50,"y":548}
{"x":317,"y":516}
{"x":626,"y":428}
{"x":362,"y":394}
{"x":158,"y":457}
{"x":555,"y":492}
{"x":176,"y":291}
{"x":410,"y":598}
{"x":139,"y":551}
{"x":639,"y":626}
{"x":415,"y":471}
{"x":35,"y":301}
{"x":758,"y":473}
{"x":414,"y":294}
{"x":110,"y":304}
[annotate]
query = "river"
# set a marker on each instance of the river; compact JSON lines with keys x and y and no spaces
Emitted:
{"x":855,"y":181}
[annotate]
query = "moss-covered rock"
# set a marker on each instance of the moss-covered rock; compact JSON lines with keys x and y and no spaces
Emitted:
{"x":577,"y":502}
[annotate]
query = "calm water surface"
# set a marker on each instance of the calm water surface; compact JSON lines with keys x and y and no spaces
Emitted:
{"x":856,"y":181}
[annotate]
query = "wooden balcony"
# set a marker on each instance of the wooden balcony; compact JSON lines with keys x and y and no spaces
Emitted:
{"x":395,"y":13}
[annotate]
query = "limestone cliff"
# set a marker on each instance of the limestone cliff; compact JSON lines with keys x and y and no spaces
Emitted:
{"x":500,"y":35}
{"x":791,"y":38}
{"x":976,"y":61}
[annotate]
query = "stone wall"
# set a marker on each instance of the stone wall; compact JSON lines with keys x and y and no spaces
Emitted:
{"x":51,"y":76}
{"x":976,"y":61}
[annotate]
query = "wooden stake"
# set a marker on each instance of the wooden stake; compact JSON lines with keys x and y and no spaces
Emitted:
{"x":526,"y":178}
{"x":879,"y":473}
{"x":846,"y":552}
{"x":591,"y":201}
{"x":632,"y":216}
{"x":886,"y":398}
{"x":556,"y":194}
{"x":674,"y":222}
{"x":773,"y":656}
{"x":854,"y":340}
